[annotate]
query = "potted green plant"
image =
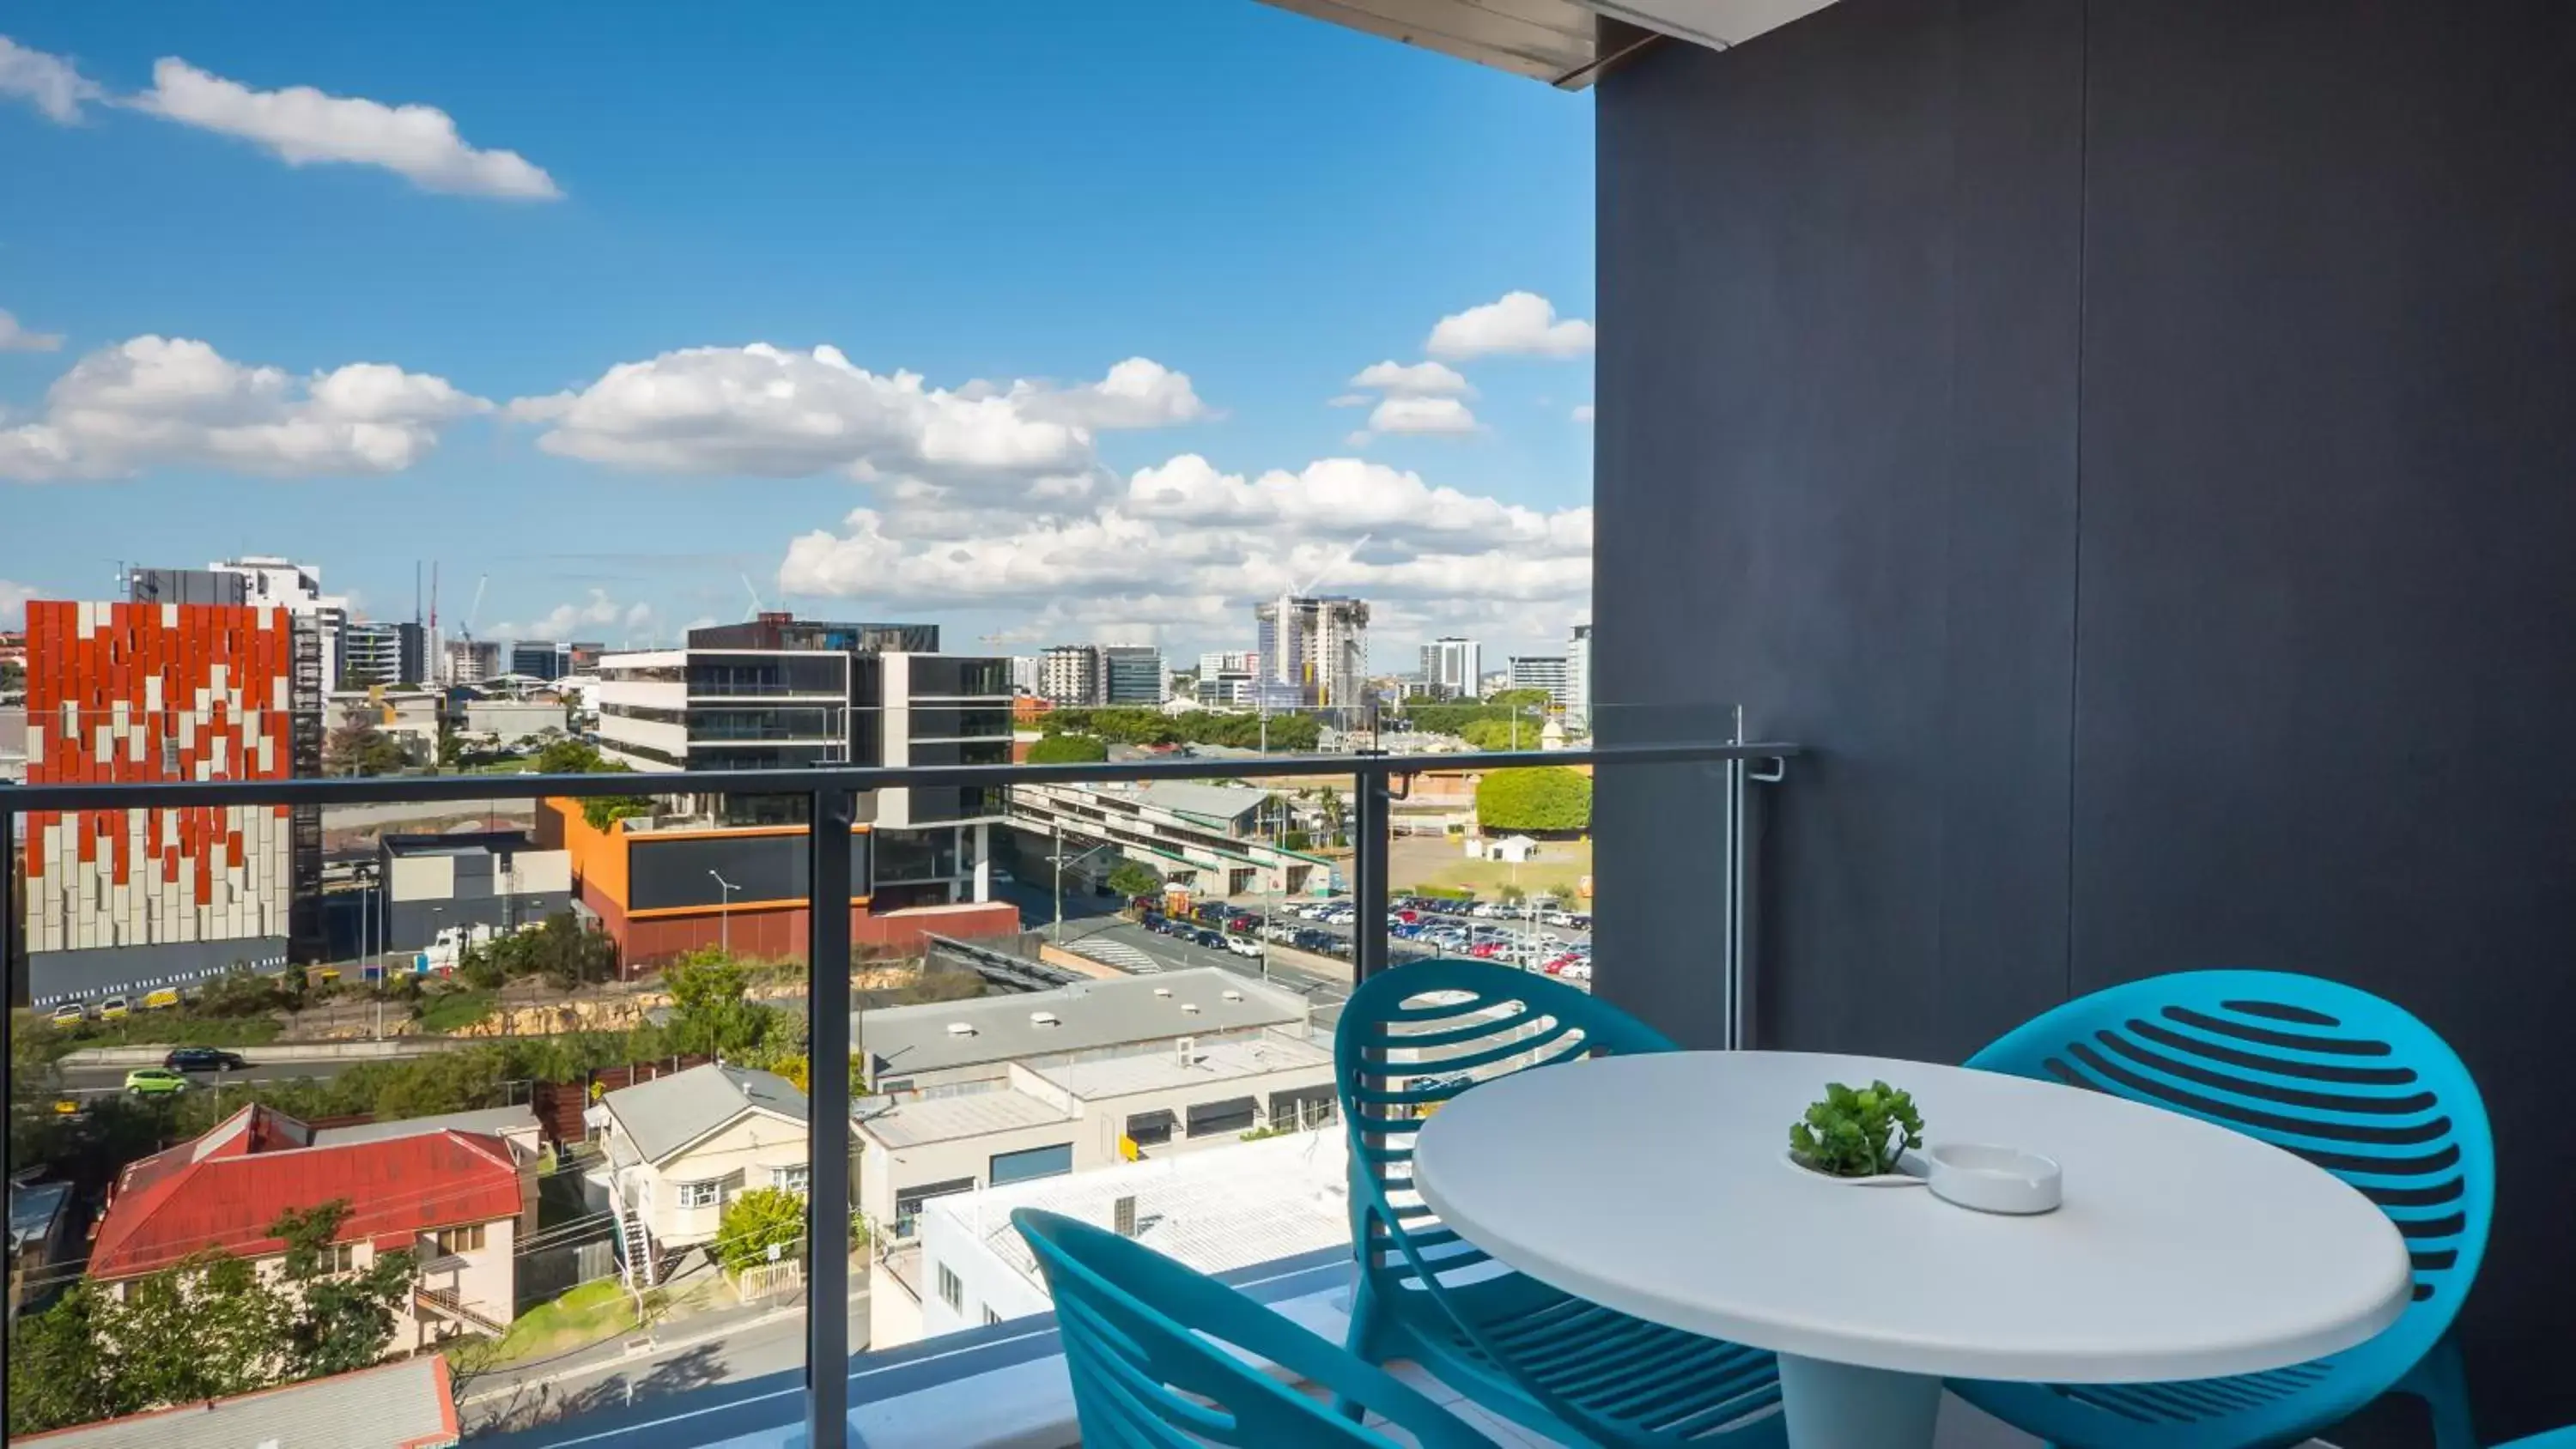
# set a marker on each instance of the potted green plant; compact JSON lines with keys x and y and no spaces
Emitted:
{"x":1858,"y":1134}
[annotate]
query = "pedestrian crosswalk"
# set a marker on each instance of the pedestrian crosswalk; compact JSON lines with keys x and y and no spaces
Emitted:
{"x":1119,"y":954}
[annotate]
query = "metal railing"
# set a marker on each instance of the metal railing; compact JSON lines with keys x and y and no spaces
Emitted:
{"x":831,"y":793}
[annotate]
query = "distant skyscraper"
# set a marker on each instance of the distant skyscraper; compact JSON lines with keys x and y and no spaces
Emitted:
{"x":538,"y":659}
{"x":371,"y":654}
{"x":1578,"y":675}
{"x":1317,"y":654}
{"x":1453,"y":668}
{"x":1024,"y":673}
{"x":120,"y":900}
{"x":472,"y":661}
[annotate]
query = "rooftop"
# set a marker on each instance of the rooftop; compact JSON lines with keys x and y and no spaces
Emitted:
{"x":945,"y":1119}
{"x":32,"y":1210}
{"x":493,"y":1121}
{"x":225,"y":1188}
{"x":668,"y":1113}
{"x":1253,"y":1202}
{"x":1089,"y":1015}
{"x":1216,"y":804}
{"x":406,"y":1405}
{"x":1160,"y":1071}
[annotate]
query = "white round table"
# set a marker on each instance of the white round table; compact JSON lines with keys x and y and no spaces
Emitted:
{"x":1656,"y":1185}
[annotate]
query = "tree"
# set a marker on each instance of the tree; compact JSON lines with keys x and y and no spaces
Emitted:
{"x":57,"y":1372}
{"x":1062,"y":749}
{"x":1520,"y":699}
{"x":13,"y":676}
{"x":756,"y":1221}
{"x":1332,"y":804}
{"x":1547,"y":798}
{"x":1499,"y":734}
{"x":358,"y":747}
{"x":1132,"y":878}
{"x":709,"y":1013}
{"x":337,"y":1322}
{"x":569,"y":757}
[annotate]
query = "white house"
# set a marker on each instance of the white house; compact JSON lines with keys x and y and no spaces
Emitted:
{"x":676,"y":1149}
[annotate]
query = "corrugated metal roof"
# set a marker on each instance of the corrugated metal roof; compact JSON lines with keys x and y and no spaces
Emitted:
{"x":226,"y":1198}
{"x":1207,"y":1065}
{"x":497,"y":1121}
{"x":668,"y":1113}
{"x":945,"y":1119}
{"x":407,"y":1405}
{"x":1089,"y":1015}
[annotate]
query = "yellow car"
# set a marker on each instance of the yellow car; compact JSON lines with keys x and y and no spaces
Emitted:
{"x":70,"y":1013}
{"x":113,"y":1009}
{"x":65,"y":1107}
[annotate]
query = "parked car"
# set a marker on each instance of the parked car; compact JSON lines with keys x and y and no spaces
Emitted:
{"x":1577,"y":971}
{"x":1557,"y":918}
{"x":1152,"y":920}
{"x":203,"y":1059}
{"x":114,"y":1009}
{"x":1243,"y":923}
{"x":1209,"y":939}
{"x":154,"y":1082}
{"x":165,"y":998}
{"x":70,"y":1013}
{"x":1243,"y":945}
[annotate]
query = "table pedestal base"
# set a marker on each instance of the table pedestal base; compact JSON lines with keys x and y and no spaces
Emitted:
{"x":1838,"y":1406}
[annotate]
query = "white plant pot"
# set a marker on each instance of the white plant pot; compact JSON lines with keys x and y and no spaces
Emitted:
{"x":1910,"y":1172}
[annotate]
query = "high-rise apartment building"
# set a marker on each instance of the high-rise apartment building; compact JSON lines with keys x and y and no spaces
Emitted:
{"x":296,"y":588}
{"x":1024,"y":674}
{"x":1578,"y":675}
{"x":371,"y":654}
{"x":122,"y":901}
{"x":1541,"y":671}
{"x":1072,"y":674}
{"x":1314,"y":651}
{"x":1229,"y":662}
{"x":1453,"y":668}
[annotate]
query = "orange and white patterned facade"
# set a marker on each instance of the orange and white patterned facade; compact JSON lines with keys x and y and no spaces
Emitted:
{"x":121,"y":901}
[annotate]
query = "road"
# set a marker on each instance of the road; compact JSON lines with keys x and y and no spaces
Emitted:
{"x":697,"y":1352}
{"x":80,"y":1080}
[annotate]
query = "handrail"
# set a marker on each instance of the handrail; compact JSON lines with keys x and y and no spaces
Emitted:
{"x":425,"y":789}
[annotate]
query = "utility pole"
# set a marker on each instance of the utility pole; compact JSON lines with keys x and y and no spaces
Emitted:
{"x":724,"y":913}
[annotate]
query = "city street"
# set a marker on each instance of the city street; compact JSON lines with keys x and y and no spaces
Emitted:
{"x":80,"y":1081}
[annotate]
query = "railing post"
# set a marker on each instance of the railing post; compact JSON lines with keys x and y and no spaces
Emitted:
{"x":1369,"y":857}
{"x":827,"y":1116}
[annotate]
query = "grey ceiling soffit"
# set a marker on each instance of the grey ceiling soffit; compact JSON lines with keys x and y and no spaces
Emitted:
{"x":1557,"y":41}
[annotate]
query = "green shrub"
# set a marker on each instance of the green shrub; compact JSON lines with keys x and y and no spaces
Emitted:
{"x":756,"y":1221}
{"x":1066,"y":749}
{"x":1857,"y":1132}
{"x":1544,"y":798}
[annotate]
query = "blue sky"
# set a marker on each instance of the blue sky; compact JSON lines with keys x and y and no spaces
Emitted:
{"x":1021,"y":195}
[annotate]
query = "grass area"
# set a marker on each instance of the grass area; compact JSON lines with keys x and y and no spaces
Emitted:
{"x":586,"y":1315}
{"x":450,"y":1010}
{"x":1560,"y":865}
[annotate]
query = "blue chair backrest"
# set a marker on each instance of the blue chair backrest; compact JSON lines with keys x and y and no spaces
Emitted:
{"x":1142,"y":1338}
{"x":2346,"y":1080}
{"x":1414,"y":1037}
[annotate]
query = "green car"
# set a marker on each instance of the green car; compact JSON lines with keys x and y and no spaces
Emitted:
{"x":154,"y":1082}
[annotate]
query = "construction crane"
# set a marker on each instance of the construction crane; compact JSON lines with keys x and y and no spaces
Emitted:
{"x":476,"y":612}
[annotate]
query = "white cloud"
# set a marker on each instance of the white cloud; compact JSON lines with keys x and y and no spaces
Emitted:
{"x":50,"y":83}
{"x":1521,"y":323}
{"x":1137,"y":393}
{"x":780,"y":413}
{"x":1438,"y":415}
{"x":13,"y":602}
{"x":1583,"y":413}
{"x":1183,"y":548}
{"x":15,"y":338}
{"x":1350,"y":400}
{"x":303,"y":126}
{"x":157,"y":400}
{"x":570,"y":621}
{"x":1421,"y":379}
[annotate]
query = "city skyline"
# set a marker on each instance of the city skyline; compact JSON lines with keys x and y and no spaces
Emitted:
{"x":397,"y":348}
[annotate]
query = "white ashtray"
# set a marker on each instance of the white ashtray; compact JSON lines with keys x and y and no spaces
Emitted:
{"x":1994,"y":1179}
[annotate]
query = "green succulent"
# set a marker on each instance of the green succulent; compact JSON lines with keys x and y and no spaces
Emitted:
{"x":1857,"y":1132}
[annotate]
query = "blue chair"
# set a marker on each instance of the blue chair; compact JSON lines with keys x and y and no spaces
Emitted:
{"x":2552,"y":1439}
{"x":1568,"y":1368}
{"x":2338,"y":1076}
{"x":1144,"y":1342}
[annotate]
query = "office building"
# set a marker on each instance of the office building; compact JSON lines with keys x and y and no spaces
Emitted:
{"x":120,"y":902}
{"x":1540,"y":671}
{"x":782,"y":693}
{"x":1453,"y":668}
{"x":540,"y":659}
{"x":495,"y":878}
{"x":1578,"y":675}
{"x":1314,"y":651}
{"x":1132,"y":675}
{"x":1024,"y":674}
{"x":1242,"y":661}
{"x":1071,"y":674}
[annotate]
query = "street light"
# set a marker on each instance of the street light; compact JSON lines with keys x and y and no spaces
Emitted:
{"x":1059,"y":858}
{"x":724,"y":912}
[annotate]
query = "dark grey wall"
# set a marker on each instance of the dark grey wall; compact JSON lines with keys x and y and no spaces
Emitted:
{"x":665,"y":873}
{"x":413,"y":925}
{"x":2132,"y":445}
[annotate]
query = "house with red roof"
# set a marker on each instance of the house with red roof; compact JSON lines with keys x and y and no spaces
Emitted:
{"x":458,"y":1200}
